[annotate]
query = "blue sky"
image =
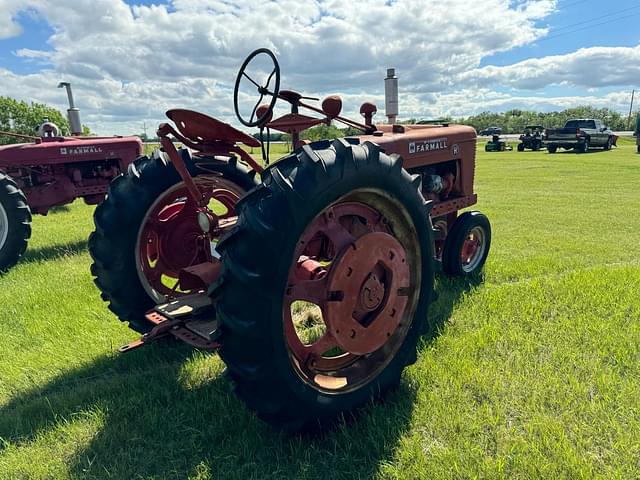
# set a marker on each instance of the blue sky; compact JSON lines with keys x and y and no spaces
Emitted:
{"x":130,"y":61}
{"x":579,"y":24}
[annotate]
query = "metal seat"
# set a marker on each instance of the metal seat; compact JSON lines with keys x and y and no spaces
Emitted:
{"x":203,"y":130}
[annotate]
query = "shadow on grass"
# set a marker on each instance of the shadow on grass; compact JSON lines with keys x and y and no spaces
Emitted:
{"x":51,"y":252}
{"x":157,"y":419}
{"x":59,"y":209}
{"x":576,"y":152}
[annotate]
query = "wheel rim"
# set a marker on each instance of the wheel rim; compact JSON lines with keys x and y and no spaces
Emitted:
{"x":4,"y":226}
{"x":473,"y":249}
{"x":170,"y":237}
{"x":352,"y":291}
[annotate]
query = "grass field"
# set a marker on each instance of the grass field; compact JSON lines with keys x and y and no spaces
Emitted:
{"x":533,"y":374}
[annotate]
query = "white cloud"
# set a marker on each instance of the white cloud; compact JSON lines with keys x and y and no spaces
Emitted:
{"x":29,"y":53}
{"x":129,"y":64}
{"x":587,"y":67}
{"x":9,"y":27}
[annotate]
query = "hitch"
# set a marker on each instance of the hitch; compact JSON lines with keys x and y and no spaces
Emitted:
{"x":191,"y":318}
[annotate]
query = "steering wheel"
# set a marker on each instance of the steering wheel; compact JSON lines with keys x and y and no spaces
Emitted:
{"x":262,"y":90}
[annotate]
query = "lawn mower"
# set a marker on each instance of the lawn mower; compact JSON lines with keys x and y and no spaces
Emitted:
{"x":312,"y":283}
{"x":54,"y":170}
{"x":497,"y":145}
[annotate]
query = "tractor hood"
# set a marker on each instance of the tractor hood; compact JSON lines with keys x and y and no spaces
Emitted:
{"x":58,"y":150}
{"x":424,"y":144}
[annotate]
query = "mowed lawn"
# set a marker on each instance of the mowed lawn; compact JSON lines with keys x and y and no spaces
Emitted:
{"x":534,"y":372}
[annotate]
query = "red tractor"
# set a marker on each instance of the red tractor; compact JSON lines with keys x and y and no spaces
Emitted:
{"x":313,"y":284}
{"x":54,"y":170}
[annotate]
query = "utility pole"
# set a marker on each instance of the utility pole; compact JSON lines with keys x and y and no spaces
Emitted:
{"x":633,"y":92}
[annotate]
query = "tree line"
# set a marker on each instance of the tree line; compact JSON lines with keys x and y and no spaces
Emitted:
{"x":24,"y":118}
{"x":514,"y":121}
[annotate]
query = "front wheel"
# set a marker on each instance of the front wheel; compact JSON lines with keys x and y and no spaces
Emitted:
{"x":467,"y":245}
{"x":521,"y":147}
{"x":335,"y":252}
{"x":15,"y":223}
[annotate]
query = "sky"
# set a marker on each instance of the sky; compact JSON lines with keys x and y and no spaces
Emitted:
{"x":130,"y":61}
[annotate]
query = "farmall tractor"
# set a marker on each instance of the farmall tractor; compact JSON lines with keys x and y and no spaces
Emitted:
{"x":314,"y":282}
{"x":51,"y":171}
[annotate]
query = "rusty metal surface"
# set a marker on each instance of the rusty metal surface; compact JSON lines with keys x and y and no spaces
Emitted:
{"x":202,"y":129}
{"x":355,"y":318}
{"x":180,"y":166}
{"x":200,"y":276}
{"x":188,"y":305}
{"x":175,"y":318}
{"x":294,"y":123}
{"x":453,"y":205}
{"x":332,"y":106}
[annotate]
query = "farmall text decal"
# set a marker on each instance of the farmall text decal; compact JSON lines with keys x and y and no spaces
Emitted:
{"x":428,"y":145}
{"x":80,"y":150}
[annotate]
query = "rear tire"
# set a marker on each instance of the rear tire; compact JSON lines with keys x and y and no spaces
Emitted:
{"x":607,"y":146}
{"x":113,"y":244}
{"x":584,"y":147}
{"x":457,"y":257}
{"x":15,"y":223}
{"x":552,"y":148}
{"x":521,"y":147}
{"x":257,"y":260}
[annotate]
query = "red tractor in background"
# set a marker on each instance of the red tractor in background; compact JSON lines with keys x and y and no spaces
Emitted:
{"x":54,"y":170}
{"x":313,"y":283}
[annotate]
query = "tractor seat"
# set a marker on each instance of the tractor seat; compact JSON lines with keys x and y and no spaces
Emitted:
{"x":204,"y":130}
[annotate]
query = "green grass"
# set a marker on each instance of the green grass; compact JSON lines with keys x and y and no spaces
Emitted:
{"x":532,"y":374}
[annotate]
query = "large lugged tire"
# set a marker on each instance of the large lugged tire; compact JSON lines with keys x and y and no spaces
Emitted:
{"x":326,"y":211}
{"x":15,"y":223}
{"x":467,"y":245}
{"x":119,"y":220}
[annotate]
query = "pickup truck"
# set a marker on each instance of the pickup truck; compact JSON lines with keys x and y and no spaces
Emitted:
{"x":580,"y":135}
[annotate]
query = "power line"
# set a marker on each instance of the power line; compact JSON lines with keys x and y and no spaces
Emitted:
{"x":587,"y":27}
{"x":564,"y":27}
{"x":573,"y":3}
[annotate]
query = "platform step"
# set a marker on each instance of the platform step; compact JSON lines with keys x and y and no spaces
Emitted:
{"x":205,"y":328}
{"x":189,"y":305}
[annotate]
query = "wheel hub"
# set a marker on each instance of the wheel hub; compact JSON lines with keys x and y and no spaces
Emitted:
{"x":368,"y":290}
{"x":371,"y":293}
{"x":472,"y":249}
{"x":172,"y":236}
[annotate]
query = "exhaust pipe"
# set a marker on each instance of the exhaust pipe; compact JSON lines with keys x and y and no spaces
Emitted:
{"x":73,"y":113}
{"x":391,"y":95}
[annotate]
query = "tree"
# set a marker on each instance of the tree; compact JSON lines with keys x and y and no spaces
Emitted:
{"x":514,"y":121}
{"x":24,"y":118}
